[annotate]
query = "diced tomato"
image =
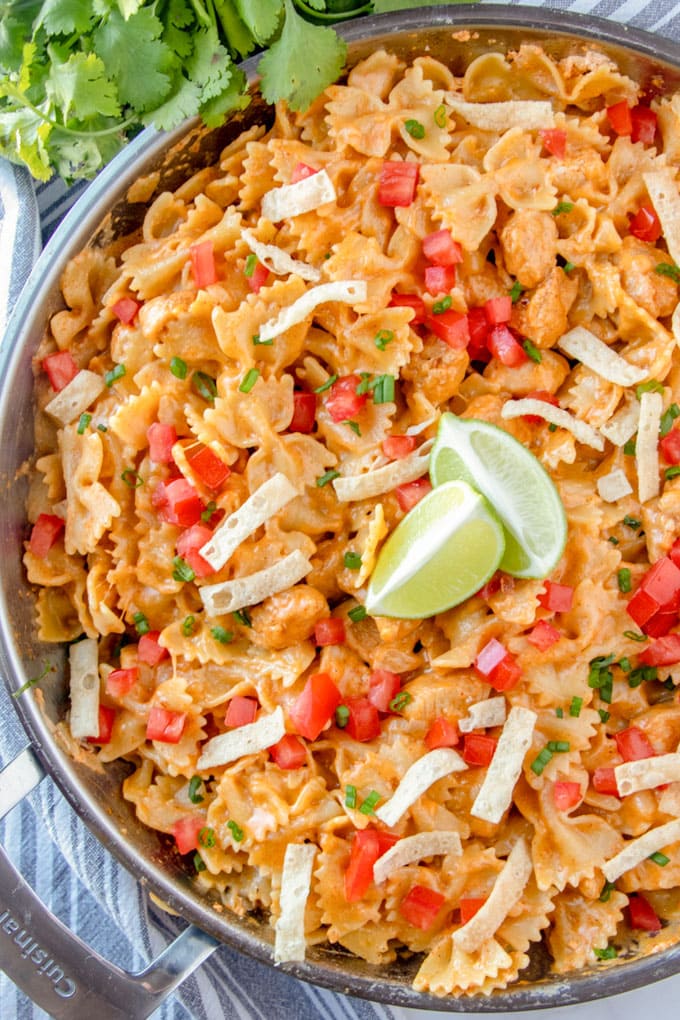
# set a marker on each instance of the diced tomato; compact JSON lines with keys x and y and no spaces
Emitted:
{"x":496,"y":664}
{"x":566,"y":795}
{"x":442,"y":733}
{"x":107,"y":718}
{"x":315,"y":706}
{"x":492,"y":586}
{"x":383,"y":686}
{"x":549,"y":398}
{"x":177,"y":502}
{"x":662,"y":583}
{"x":604,"y":781}
{"x":420,"y":906}
{"x":149,"y":650}
{"x":543,"y":635}
{"x":451,"y":327}
{"x":367,"y":846}
{"x":669,"y":446}
{"x":478,"y":749}
{"x":396,"y":447}
{"x":203,"y":267}
{"x":620,"y":119}
{"x":643,"y":125}
{"x":120,"y":682}
{"x":674,"y":552}
{"x":186,"y":831}
{"x":161,"y":439}
{"x":289,"y":752}
{"x":44,"y":534}
{"x":241,"y":711}
{"x":364,"y":722}
{"x":208,"y":467}
{"x":343,"y":402}
{"x":125,"y":310}
{"x":397,"y":183}
{"x":665,"y":651}
{"x":60,"y":368}
{"x":503,"y":346}
{"x":641,"y":607}
{"x":188,"y":545}
{"x":258,"y":277}
{"x":557,"y":598}
{"x":330,"y":631}
{"x":554,"y":140}
{"x":478,"y":328}
{"x":642,"y":914}
{"x":304,"y":413}
{"x":411,"y":493}
{"x":301,"y":171}
{"x":645,"y":224}
{"x":469,"y":906}
{"x":498,"y":310}
{"x":165,"y":725}
{"x":633,"y":744}
{"x":410,"y":301}
{"x":660,"y":624}
{"x":440,"y":279}
{"x":441,"y":249}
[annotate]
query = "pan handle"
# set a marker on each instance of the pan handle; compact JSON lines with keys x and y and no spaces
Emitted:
{"x":58,"y":971}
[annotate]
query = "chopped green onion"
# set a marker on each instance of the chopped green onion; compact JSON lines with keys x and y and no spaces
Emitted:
{"x":357,"y":613}
{"x":629,"y":448}
{"x":442,"y":306}
{"x":415,"y":128}
{"x":672,"y":472}
{"x":113,"y":374}
{"x":552,"y":427}
{"x":634,"y":635}
{"x":261,"y":343}
{"x":327,"y":477}
{"x":249,"y":380}
{"x":368,"y":804}
{"x":383,"y":337}
{"x":341,"y":716}
{"x":604,"y":715}
{"x":623,"y":580}
{"x":178,"y":367}
{"x":327,"y":385}
{"x":131,"y":478}
{"x":568,"y":267}
{"x":205,"y":386}
{"x":667,"y":419}
{"x":558,"y":746}
{"x":532,"y":351}
{"x":365,"y":385}
{"x":668,"y":269}
{"x":181,"y":570}
{"x":195,"y":784}
{"x":352,"y":560}
{"x":141,"y":623}
{"x":400,"y":701}
{"x":559,"y":712}
{"x":383,"y":389}
{"x":651,"y":386}
{"x":33,"y":681}
{"x":606,"y":893}
{"x":625,"y":664}
{"x":251,"y":263}
{"x":83,"y":422}
{"x":350,"y":796}
{"x":440,"y":116}
{"x":562,"y":207}
{"x":541,"y":760}
{"x":516,"y":292}
{"x":209,"y":511}
{"x":600,"y":676}
{"x":236,"y":831}
{"x":188,"y":624}
{"x":632,"y":522}
{"x":660,"y":859}
{"x":242,"y":616}
{"x":642,"y":674}
{"x":222,"y":635}
{"x":613,"y":539}
{"x":206,"y":836}
{"x":575,"y":707}
{"x":102,"y":428}
{"x":199,"y":863}
{"x":354,"y":425}
{"x":609,"y":953}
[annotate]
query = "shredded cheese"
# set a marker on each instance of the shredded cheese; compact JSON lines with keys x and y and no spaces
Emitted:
{"x":647,"y":445}
{"x":384,"y":479}
{"x":525,"y":113}
{"x":417,"y":779}
{"x":228,"y":596}
{"x":647,"y":773}
{"x":507,"y":891}
{"x":347,"y":291}
{"x":247,"y":739}
{"x":266,"y":501}
{"x":84,"y":688}
{"x":279,"y":261}
{"x":295,"y":199}
{"x":296,"y":882}
{"x":638,"y":850}
{"x":556,"y":416}
{"x":614,"y":486}
{"x":76,"y":397}
{"x":495,"y":794}
{"x":662,"y":188}
{"x":587,"y":348}
{"x":484,"y":713}
{"x":416,"y":848}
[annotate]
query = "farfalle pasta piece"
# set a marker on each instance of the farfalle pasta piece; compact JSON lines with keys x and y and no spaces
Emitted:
{"x":462,"y":200}
{"x":90,"y":508}
{"x":580,"y":925}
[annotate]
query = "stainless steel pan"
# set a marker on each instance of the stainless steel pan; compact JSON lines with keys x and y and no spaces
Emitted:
{"x":55,"y":968}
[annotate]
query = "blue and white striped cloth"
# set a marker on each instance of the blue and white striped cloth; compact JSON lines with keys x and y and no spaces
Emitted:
{"x":70,"y":870}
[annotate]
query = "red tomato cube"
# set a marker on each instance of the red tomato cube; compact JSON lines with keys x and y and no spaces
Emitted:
{"x":498,"y":310}
{"x":442,"y":733}
{"x":566,"y":795}
{"x":161,"y":439}
{"x":659,"y":625}
{"x":543,"y":635}
{"x":120,"y":682}
{"x":203,"y":267}
{"x":165,"y":725}
{"x":420,"y":906}
{"x":367,"y":846}
{"x":643,"y":121}
{"x":440,"y":279}
{"x":469,"y":906}
{"x":478,"y":327}
{"x":330,"y":631}
{"x":620,"y":119}
{"x":178,"y":502}
{"x":343,"y":403}
{"x":149,"y":650}
{"x":396,"y":447}
{"x":633,"y":744}
{"x":107,"y":717}
{"x":478,"y":749}
{"x":451,"y":327}
{"x":126,"y":309}
{"x":664,"y":651}
{"x":440,"y":248}
{"x":241,"y":711}
{"x":557,"y":598}
{"x":642,"y":914}
{"x":383,"y":687}
{"x":411,"y":493}
{"x":188,"y":545}
{"x":503,"y":346}
{"x":364,"y":722}
{"x":44,"y":534}
{"x":604,"y":781}
{"x":495,"y":663}
{"x":301,"y":171}
{"x":315,"y":706}
{"x":554,"y":141}
{"x":669,"y":446}
{"x":304,"y":413}
{"x":645,"y":224}
{"x":186,"y":832}
{"x":208,"y":467}
{"x":410,"y":301}
{"x":258,"y":277}
{"x":397,"y":183}
{"x":60,"y":368}
{"x":289,"y":752}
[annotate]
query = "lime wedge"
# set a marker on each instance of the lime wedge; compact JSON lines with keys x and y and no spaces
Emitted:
{"x":516,"y":485}
{"x":440,"y":554}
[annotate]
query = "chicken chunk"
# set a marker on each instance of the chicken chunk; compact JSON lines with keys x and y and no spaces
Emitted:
{"x":289,"y":617}
{"x":529,"y":244}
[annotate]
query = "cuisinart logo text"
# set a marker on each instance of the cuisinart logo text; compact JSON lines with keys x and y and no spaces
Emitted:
{"x":44,"y":963}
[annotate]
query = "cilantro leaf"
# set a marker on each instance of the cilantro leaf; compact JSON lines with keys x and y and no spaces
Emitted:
{"x":214,"y":111}
{"x":299,"y":82}
{"x":261,"y":17}
{"x":62,"y":17}
{"x":135,"y":57}
{"x":23,"y":134}
{"x":183,"y":102}
{"x":15,"y":30}
{"x":210,"y":65}
{"x":240,"y":39}
{"x":177,"y":34}
{"x":81,"y":85}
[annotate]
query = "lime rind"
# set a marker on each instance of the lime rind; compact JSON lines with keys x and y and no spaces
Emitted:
{"x":517,"y":486}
